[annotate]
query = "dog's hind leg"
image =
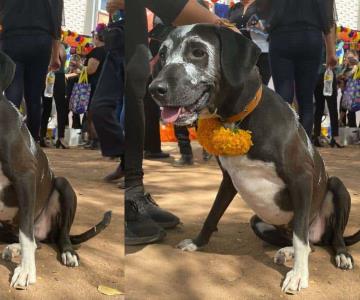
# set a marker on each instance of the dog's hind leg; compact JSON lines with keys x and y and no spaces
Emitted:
{"x":338,"y":221}
{"x":223,"y":198}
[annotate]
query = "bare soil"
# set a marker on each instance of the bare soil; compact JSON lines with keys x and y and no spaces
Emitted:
{"x":101,"y":258}
{"x":235,"y":264}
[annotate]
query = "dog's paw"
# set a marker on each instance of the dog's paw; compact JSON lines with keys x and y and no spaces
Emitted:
{"x":187,"y":245}
{"x":295,"y":281}
{"x":344,"y":261}
{"x":283,"y":255}
{"x":11,"y":251}
{"x":70,"y":259}
{"x":23,"y":276}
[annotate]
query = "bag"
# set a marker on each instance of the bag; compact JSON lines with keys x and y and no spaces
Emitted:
{"x":351,"y":96}
{"x":80,"y":95}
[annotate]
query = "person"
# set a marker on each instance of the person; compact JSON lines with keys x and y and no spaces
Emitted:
{"x":144,"y":220}
{"x":320,"y":105}
{"x":62,"y":105}
{"x":351,"y":63}
{"x":296,"y":30}
{"x":94,"y":62}
{"x":249,"y":15}
{"x":30,"y":35}
{"x":107,"y":107}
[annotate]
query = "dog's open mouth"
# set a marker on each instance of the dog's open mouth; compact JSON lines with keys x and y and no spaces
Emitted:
{"x":184,"y":114}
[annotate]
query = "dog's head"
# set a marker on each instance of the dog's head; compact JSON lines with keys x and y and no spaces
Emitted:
{"x":199,"y":66}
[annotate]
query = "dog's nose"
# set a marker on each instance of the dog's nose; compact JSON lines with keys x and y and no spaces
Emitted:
{"x":158,"y":89}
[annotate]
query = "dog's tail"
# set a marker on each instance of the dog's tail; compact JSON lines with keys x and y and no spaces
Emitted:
{"x":337,"y":187}
{"x":7,"y":71}
{"x":83,"y":237}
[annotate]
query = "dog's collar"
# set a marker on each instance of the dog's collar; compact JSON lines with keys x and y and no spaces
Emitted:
{"x":249,"y":108}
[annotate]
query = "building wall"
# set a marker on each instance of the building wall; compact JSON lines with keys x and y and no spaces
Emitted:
{"x":348,"y":13}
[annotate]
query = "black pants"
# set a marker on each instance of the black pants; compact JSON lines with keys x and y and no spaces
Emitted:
{"x":349,"y":117}
{"x":31,"y":55}
{"x":183,"y":136}
{"x":295,"y":58}
{"x":109,"y":92}
{"x":264,"y":68}
{"x":62,"y":107}
{"x":320,"y":105}
{"x":152,"y":142}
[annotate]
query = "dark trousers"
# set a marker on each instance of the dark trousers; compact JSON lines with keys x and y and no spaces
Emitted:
{"x":31,"y":55}
{"x":152,"y":142}
{"x":109,"y":92}
{"x":320,"y":105}
{"x":295,"y":58}
{"x":264,"y":68}
{"x":182,"y":135}
{"x":62,"y":107}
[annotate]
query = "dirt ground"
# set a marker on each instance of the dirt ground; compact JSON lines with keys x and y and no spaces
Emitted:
{"x":101,"y":258}
{"x":235,"y":264}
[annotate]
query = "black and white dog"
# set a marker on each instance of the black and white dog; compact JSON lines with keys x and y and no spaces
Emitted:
{"x":34,"y":204}
{"x":205,"y":69}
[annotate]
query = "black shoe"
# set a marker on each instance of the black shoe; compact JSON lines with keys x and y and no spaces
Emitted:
{"x":156,"y":155}
{"x":117,"y":174}
{"x":139,"y":227}
{"x":184,"y":160}
{"x":92,"y":145}
{"x":43,"y":143}
{"x":334,"y":143}
{"x":60,"y":144}
{"x":165,"y":219}
{"x":206,"y":156}
{"x":317,"y":143}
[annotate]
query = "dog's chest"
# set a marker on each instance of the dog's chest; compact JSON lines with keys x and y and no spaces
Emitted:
{"x":258,"y":184}
{"x":6,"y":213}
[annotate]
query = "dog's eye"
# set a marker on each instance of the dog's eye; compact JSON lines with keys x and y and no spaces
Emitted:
{"x":198,"y":53}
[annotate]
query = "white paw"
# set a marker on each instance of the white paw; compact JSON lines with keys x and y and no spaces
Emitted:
{"x":69,"y":259}
{"x":11,"y":251}
{"x":187,"y":245}
{"x":344,"y":261}
{"x":283,"y":255}
{"x":23,"y":276}
{"x":295,"y":281}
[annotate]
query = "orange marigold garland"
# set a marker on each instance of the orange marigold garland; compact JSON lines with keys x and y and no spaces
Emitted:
{"x":221,"y":141}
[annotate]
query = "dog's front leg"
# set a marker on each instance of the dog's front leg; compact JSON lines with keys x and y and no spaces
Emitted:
{"x":301,"y":195}
{"x":25,"y":273}
{"x":223,"y":198}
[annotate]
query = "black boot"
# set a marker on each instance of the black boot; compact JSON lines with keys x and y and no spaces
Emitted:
{"x":139,"y":227}
{"x":184,"y":160}
{"x":117,"y":174}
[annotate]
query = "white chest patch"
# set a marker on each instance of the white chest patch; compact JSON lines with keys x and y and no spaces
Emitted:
{"x":257,"y":182}
{"x":6,"y":213}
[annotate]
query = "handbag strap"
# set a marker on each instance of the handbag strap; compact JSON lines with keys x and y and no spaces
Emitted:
{"x":83,"y":78}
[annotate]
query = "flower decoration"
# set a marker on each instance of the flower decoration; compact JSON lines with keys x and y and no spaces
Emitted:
{"x":221,"y":141}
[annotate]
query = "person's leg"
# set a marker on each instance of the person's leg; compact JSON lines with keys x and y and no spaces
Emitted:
{"x":282,"y":67}
{"x":319,"y":108}
{"x":264,"y":67}
{"x":351,"y":119}
{"x":46,"y":112}
{"x":307,"y":63}
{"x":332,"y":105}
{"x":36,"y":67}
{"x":182,"y":135}
{"x":62,"y":105}
{"x":152,"y":141}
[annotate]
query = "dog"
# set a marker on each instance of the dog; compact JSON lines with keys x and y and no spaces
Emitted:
{"x":35,"y":206}
{"x":207,"y":70}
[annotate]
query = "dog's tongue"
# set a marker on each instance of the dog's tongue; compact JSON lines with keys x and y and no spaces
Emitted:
{"x":170,"y":114}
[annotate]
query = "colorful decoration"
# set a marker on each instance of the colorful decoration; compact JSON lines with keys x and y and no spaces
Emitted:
{"x":218,"y":140}
{"x":350,"y":36}
{"x":81,"y":44}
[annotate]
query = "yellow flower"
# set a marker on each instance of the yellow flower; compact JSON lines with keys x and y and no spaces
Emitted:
{"x":218,"y":140}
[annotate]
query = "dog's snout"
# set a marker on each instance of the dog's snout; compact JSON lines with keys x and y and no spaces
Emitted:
{"x":158,"y":89}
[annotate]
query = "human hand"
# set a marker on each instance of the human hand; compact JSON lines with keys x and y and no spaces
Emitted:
{"x":55,"y":63}
{"x":226,"y":23}
{"x":331,"y":61}
{"x":114,"y":5}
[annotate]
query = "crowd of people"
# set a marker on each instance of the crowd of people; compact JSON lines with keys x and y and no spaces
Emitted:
{"x":297,"y":42}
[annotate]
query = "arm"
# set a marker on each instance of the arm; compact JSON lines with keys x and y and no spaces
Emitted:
{"x":330,"y":42}
{"x":92,"y":66}
{"x":55,"y":62}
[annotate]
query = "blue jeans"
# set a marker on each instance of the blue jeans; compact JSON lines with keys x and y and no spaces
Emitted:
{"x":295,"y":58}
{"x":31,"y":55}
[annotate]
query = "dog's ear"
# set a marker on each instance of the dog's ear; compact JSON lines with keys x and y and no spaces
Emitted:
{"x":7,"y":71}
{"x":238,"y":55}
